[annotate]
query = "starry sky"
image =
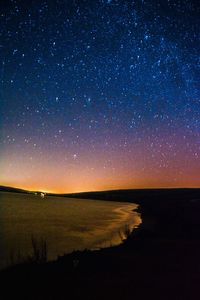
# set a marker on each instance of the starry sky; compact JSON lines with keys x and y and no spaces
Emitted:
{"x":99,"y":94}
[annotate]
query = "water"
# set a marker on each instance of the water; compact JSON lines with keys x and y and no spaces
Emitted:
{"x":66,"y":224}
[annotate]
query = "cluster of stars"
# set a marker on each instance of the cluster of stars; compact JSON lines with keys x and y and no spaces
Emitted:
{"x":89,"y":87}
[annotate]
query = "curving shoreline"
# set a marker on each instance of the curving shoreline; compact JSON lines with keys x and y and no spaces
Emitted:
{"x":64,"y":224}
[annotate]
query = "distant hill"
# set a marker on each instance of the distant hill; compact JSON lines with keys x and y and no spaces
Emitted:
{"x":140,"y":195}
{"x":147,"y":196}
{"x":11,"y":189}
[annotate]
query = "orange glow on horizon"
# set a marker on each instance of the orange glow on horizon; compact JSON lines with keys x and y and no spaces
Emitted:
{"x":97,"y":172}
{"x":64,"y":191}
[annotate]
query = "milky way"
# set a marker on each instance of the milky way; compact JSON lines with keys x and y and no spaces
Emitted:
{"x":99,"y":94}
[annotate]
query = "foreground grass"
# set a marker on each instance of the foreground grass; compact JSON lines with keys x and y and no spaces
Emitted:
{"x":39,"y":254}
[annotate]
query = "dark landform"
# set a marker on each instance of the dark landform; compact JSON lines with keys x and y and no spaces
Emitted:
{"x":159,"y":260}
{"x":12,"y":189}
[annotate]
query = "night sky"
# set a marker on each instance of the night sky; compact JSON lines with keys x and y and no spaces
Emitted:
{"x":100,"y":94}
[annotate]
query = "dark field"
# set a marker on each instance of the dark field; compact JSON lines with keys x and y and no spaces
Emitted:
{"x":160,"y":260}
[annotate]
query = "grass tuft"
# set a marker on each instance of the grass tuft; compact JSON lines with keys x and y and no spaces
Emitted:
{"x":125,"y":233}
{"x":39,"y":253}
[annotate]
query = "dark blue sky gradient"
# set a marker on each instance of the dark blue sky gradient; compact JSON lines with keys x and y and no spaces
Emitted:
{"x":99,"y":91}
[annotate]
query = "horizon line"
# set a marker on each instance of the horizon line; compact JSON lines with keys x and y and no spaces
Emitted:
{"x":98,"y":191}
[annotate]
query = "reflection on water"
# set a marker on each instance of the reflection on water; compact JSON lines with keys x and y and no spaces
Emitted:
{"x":66,"y":224}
